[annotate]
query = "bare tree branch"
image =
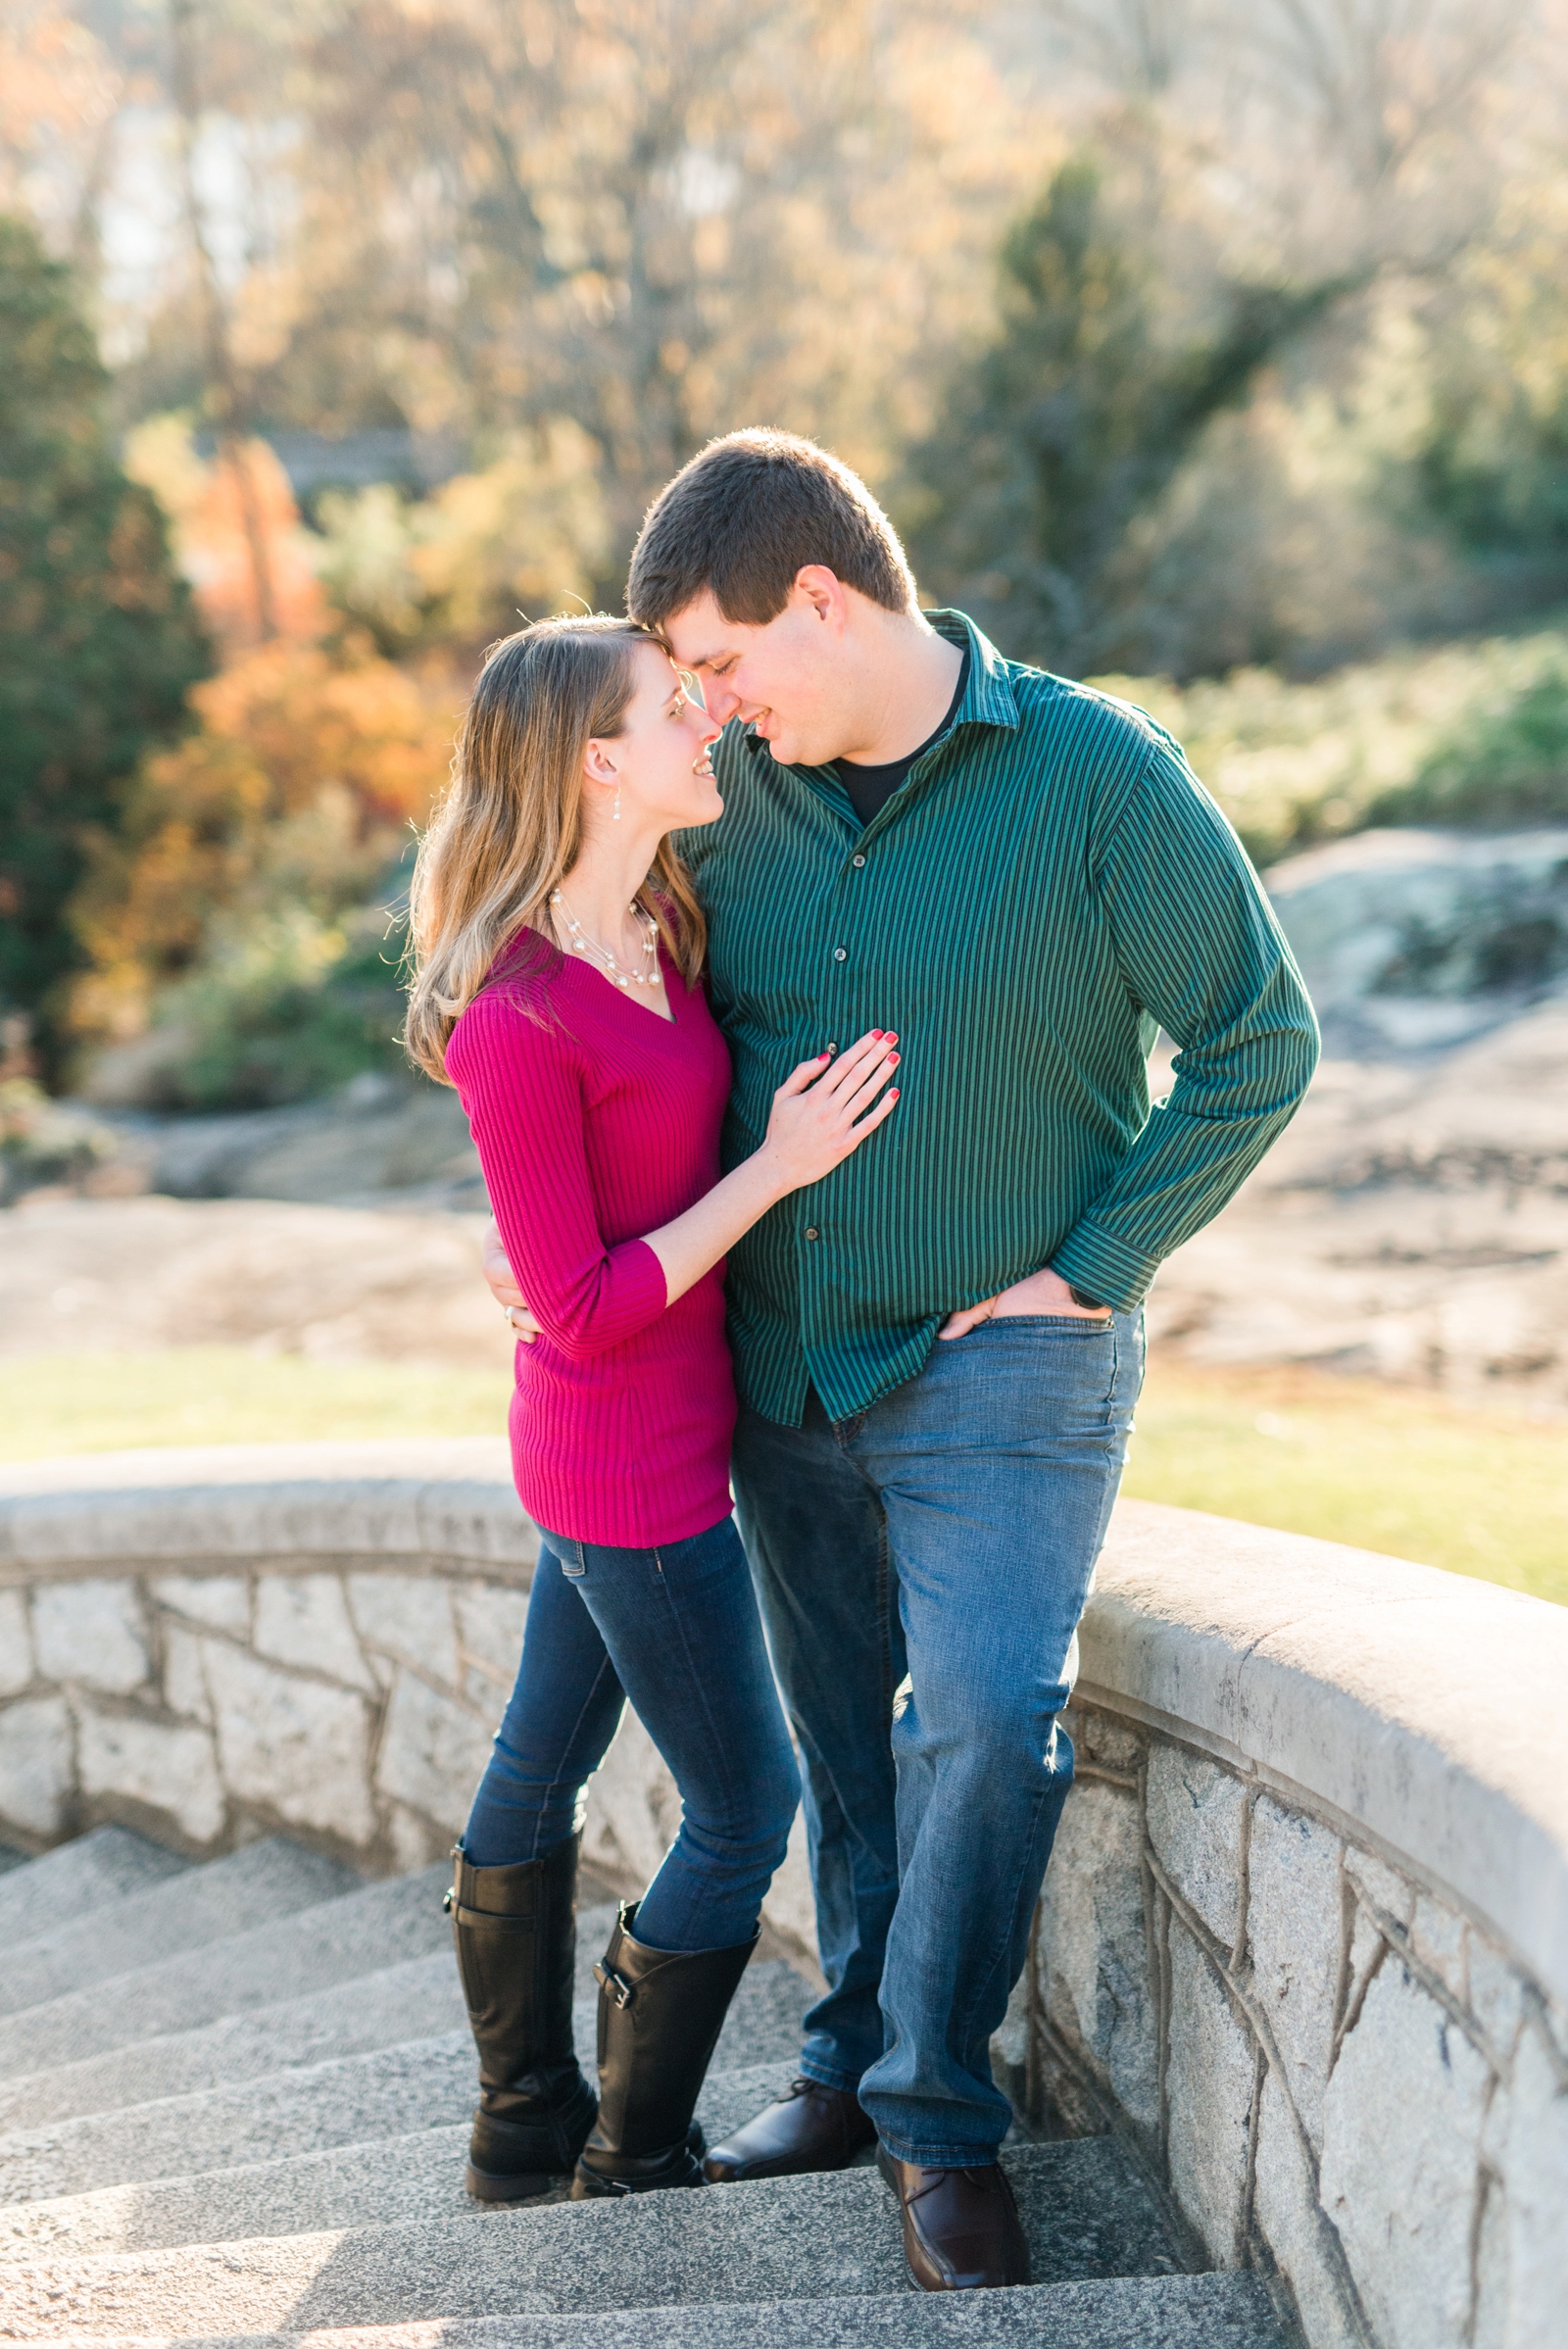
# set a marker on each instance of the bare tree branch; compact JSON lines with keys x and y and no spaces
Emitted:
{"x":225,"y":404}
{"x":1387,"y":76}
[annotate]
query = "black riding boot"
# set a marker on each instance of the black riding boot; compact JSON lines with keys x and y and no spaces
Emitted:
{"x":660,"y":2013}
{"x":516,"y":1937}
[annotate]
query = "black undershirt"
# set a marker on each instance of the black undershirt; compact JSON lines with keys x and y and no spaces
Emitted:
{"x":871,"y":788}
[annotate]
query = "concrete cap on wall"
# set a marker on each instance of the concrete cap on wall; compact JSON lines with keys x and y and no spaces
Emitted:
{"x":224,"y":1505}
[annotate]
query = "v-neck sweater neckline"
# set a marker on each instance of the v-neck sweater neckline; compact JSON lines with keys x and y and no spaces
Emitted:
{"x":629,"y":993}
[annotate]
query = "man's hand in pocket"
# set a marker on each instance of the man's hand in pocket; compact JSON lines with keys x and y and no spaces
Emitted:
{"x":1044,"y":1291}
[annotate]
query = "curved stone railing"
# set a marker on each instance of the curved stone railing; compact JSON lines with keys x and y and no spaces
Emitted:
{"x":1304,"y":1938}
{"x":316,"y":1638}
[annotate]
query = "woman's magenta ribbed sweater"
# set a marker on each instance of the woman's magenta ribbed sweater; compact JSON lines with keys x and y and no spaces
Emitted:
{"x":597,"y":1121}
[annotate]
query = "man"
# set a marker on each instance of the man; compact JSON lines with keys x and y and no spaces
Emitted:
{"x":938,"y":1348}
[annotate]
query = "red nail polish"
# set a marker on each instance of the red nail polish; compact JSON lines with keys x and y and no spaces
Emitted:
{"x":892,"y":1092}
{"x":893,"y":1059}
{"x":876,"y":1032}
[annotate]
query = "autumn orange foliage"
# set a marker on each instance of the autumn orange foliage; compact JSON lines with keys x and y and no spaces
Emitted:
{"x":237,"y":533}
{"x":218,"y":557}
{"x":300,"y":785}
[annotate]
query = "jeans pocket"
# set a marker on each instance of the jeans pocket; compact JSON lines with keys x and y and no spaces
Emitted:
{"x":1088,"y":1325}
{"x":1097,"y":1372}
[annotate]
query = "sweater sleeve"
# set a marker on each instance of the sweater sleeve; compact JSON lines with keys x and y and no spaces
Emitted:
{"x":1202,"y":952}
{"x":521,"y":1087}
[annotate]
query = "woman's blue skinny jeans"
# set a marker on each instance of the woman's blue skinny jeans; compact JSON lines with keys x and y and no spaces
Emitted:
{"x":676,"y":1630}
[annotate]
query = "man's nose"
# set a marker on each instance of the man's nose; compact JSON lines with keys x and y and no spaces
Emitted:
{"x":721,"y":703}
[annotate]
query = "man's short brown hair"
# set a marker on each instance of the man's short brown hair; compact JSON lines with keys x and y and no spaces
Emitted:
{"x":743,"y":517}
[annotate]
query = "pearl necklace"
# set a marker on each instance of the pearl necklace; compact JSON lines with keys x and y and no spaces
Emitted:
{"x":583,"y":942}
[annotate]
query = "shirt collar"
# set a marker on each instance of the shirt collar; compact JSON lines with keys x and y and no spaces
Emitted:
{"x":988,"y":695}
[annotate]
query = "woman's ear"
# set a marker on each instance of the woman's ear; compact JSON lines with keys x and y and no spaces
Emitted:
{"x":597,"y":763}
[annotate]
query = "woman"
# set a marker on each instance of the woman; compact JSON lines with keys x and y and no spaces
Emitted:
{"x":559,"y":951}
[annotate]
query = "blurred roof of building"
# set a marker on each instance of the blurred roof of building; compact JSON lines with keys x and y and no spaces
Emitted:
{"x":315,"y":461}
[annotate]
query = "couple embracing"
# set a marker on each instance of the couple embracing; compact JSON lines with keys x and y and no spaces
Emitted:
{"x":802,"y":1023}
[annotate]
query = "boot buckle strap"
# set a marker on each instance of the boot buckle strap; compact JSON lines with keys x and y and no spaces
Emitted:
{"x":615,"y":1985}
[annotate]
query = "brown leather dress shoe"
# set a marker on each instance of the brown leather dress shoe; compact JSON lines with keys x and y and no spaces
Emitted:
{"x":808,"y":2128}
{"x":960,"y":2226}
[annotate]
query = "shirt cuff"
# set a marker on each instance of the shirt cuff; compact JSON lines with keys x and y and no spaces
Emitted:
{"x":1104,"y":1266}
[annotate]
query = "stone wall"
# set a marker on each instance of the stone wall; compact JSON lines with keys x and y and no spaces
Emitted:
{"x":1304,"y":1938}
{"x":1334,"y":2073}
{"x":253,"y":1647}
{"x":1303,"y":1943}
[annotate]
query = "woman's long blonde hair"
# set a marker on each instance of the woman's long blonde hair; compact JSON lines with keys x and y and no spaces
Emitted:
{"x":511,"y":825}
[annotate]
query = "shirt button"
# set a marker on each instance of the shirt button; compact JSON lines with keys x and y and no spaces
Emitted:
{"x":856,"y":862}
{"x":841,"y":954}
{"x":833,"y":1047}
{"x":812,"y":1232}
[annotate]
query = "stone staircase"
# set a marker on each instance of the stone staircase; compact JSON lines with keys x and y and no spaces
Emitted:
{"x":233,"y":2107}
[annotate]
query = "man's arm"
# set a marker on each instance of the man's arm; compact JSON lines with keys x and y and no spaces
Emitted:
{"x":1202,"y":952}
{"x":504,"y":1288}
{"x":1200,"y":949}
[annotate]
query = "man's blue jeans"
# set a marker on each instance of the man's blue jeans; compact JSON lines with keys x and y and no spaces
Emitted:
{"x":676,"y":1630}
{"x":923,"y":1568}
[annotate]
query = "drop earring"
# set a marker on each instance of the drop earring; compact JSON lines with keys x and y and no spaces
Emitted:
{"x":614,"y":813}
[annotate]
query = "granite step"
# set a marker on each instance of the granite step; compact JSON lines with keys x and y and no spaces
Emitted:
{"x":1084,"y":2209}
{"x":109,"y":1863}
{"x":358,"y":1933}
{"x":252,"y":1886}
{"x":384,"y":2182}
{"x":1165,"y":2312}
{"x":414,"y":2000}
{"x":410,"y":2001}
{"x":387,"y":2091}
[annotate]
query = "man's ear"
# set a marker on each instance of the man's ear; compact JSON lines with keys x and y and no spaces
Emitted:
{"x":823,"y":591}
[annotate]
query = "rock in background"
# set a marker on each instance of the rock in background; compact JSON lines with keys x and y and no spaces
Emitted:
{"x":1413,"y":1222}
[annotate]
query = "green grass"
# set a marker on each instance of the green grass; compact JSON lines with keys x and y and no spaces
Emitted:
{"x":1483,"y":1494}
{"x":55,"y":1403}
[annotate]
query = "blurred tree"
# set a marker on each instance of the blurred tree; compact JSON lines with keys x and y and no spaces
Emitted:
{"x":1493,"y":457}
{"x":58,"y":100}
{"x":220,"y":512}
{"x":654,"y":218}
{"x":1387,"y":77}
{"x":516,"y":542}
{"x":1136,"y":46}
{"x":649,"y":218}
{"x":500,"y":222}
{"x":259,"y":830}
{"x":98,"y":641}
{"x":224,"y":393}
{"x":1020,"y":502}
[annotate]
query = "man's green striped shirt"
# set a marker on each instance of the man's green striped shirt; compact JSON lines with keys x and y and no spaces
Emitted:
{"x":1049,"y":887}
